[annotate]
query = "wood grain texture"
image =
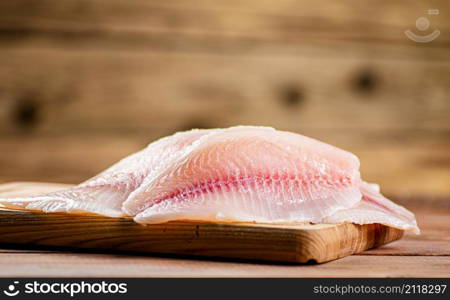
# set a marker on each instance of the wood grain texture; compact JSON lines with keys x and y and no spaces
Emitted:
{"x":409,"y":167}
{"x":102,"y":265}
{"x":426,"y":255}
{"x":83,"y":84}
{"x":86,"y":109}
{"x":282,"y":243}
{"x":243,"y":23}
{"x":97,"y":91}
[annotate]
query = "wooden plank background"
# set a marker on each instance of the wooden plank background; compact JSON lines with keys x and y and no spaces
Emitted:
{"x":84,"y":83}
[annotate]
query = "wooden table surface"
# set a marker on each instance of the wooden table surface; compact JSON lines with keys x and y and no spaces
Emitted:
{"x":426,"y":255}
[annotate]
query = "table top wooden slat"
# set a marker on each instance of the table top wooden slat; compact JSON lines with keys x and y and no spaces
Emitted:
{"x":102,"y":265}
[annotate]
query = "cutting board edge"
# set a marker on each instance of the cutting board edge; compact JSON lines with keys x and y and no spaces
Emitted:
{"x":239,"y":241}
{"x":283,"y":243}
{"x":358,"y":238}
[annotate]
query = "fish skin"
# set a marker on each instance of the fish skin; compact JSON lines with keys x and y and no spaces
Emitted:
{"x":104,"y":193}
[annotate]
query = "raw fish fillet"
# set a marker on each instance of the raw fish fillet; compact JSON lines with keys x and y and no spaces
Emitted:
{"x":243,"y":173}
{"x":105,"y":193}
{"x":375,"y":208}
{"x":250,"y":174}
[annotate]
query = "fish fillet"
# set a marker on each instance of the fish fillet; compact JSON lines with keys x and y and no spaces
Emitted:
{"x":250,"y":174}
{"x":105,"y":193}
{"x":242,"y":173}
{"x":375,"y":208}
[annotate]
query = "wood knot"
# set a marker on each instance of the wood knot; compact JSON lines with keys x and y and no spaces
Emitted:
{"x":291,"y":96}
{"x":26,"y":113}
{"x":365,"y":81}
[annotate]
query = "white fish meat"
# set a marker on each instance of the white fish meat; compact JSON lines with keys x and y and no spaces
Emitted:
{"x":242,"y":173}
{"x":105,"y":193}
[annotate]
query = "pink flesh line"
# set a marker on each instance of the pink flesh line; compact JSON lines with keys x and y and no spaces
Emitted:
{"x":377,"y":199}
{"x":383,"y":204}
{"x":214,"y":185}
{"x":384,"y":207}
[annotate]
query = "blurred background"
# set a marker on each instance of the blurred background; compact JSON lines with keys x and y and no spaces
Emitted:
{"x":84,"y":83}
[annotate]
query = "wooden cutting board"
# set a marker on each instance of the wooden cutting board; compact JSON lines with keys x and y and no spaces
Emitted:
{"x":282,"y":243}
